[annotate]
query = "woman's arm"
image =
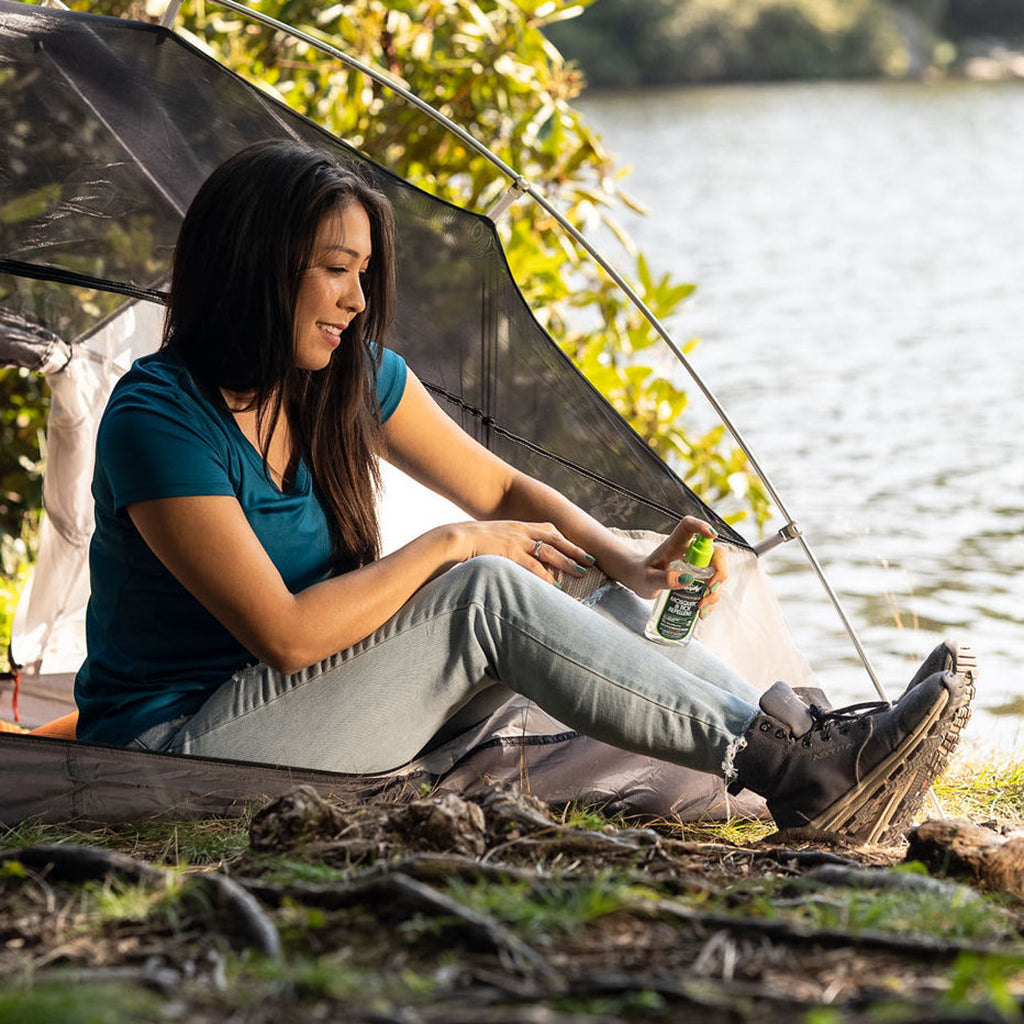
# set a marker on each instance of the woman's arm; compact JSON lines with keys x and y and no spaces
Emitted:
{"x":208,"y":545}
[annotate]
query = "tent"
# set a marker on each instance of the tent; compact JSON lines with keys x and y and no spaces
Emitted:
{"x":110,"y":126}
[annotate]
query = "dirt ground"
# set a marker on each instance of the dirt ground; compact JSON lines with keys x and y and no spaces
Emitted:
{"x":493,"y":910}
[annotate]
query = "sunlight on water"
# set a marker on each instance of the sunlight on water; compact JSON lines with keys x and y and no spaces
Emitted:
{"x":859,"y":252}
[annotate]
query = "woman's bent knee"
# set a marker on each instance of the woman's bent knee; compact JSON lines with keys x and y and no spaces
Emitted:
{"x":485,"y":571}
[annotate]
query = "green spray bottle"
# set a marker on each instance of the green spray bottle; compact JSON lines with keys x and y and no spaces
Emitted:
{"x":675,"y":614}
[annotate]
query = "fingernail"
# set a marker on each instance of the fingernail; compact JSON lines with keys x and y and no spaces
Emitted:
{"x":591,"y":559}
{"x":704,"y":612}
{"x":685,"y":581}
{"x":580,"y":569}
{"x":557,"y":584}
{"x":714,"y":587}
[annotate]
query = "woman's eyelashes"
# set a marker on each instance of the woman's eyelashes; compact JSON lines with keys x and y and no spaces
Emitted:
{"x":363,"y":272}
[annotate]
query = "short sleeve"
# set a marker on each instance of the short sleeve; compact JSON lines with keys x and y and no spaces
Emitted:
{"x":149,"y":447}
{"x":391,"y":376}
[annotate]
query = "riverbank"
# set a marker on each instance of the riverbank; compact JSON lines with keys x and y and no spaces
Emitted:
{"x":631,"y":43}
{"x":455,"y":912}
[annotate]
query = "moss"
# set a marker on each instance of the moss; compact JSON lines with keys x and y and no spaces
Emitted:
{"x":85,"y":1004}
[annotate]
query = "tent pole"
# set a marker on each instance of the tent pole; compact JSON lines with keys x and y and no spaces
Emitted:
{"x":520,"y":186}
{"x":170,"y":15}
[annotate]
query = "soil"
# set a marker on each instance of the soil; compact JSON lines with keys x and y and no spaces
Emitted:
{"x":448,"y":910}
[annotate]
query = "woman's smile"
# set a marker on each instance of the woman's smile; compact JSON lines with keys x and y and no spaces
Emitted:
{"x":332,"y":332}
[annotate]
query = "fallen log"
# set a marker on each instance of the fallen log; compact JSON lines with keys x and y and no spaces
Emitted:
{"x":954,"y":847}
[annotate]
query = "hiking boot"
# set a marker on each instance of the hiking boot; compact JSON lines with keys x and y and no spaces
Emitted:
{"x":949,"y":656}
{"x":941,"y":742}
{"x":846,"y":770}
{"x":814,"y":697}
{"x":960,"y":661}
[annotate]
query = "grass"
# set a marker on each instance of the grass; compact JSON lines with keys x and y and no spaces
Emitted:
{"x":545,"y":908}
{"x":188,"y":843}
{"x":92,"y":1004}
{"x":954,"y":913}
{"x":980,"y":789}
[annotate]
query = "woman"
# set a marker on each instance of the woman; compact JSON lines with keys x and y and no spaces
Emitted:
{"x":240,"y":607}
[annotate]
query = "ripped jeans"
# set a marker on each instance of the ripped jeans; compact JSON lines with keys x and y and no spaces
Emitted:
{"x":451,"y":655}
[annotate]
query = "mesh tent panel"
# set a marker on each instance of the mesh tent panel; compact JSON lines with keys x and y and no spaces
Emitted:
{"x":112,"y":125}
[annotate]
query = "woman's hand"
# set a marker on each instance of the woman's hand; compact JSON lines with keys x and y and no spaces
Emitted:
{"x":652,"y":574}
{"x":539,"y":547}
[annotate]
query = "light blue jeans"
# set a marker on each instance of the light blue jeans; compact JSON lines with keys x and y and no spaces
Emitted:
{"x":451,"y":655}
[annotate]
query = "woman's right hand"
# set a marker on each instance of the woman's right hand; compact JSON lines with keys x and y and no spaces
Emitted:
{"x":539,"y":547}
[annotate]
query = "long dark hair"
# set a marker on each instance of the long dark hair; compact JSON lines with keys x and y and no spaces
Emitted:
{"x":244,"y":244}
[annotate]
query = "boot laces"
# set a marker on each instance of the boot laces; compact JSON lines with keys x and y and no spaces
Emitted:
{"x":843,"y":719}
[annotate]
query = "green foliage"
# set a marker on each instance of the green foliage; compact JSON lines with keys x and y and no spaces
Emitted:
{"x":24,"y":400}
{"x":10,"y":590}
{"x":640,"y":1005}
{"x":276,"y":869}
{"x":961,"y":916}
{"x":202,"y":842}
{"x":330,"y":977}
{"x":113,"y":900}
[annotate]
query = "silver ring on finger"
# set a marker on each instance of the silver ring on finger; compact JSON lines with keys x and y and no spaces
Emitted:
{"x":536,"y":548}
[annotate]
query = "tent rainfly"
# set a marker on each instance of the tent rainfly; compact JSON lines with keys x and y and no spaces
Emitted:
{"x":109,"y":128}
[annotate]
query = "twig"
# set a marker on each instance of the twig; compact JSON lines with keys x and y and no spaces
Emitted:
{"x":398,"y":890}
{"x":427,"y":866}
{"x":152,"y":974}
{"x":889,"y":881}
{"x":804,"y":858}
{"x":233,"y":906}
{"x":68,"y":862}
{"x":239,"y":914}
{"x":791,"y":932}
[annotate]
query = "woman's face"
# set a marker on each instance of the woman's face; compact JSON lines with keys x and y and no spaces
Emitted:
{"x":331,"y":292}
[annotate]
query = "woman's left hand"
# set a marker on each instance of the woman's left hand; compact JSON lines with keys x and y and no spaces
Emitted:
{"x":651,"y":573}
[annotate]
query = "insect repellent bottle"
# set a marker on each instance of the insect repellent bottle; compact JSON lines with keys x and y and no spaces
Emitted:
{"x":675,"y":613}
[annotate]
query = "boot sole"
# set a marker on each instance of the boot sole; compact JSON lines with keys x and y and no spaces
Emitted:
{"x":885,"y":800}
{"x":961,"y":662}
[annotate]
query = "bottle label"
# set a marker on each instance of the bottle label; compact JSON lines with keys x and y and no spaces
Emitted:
{"x":679,"y":615}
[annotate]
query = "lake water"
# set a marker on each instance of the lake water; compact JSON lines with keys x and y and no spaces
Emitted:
{"x":859,"y":255}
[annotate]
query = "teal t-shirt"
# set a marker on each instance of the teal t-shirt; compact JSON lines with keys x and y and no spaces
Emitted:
{"x":154,"y":652}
